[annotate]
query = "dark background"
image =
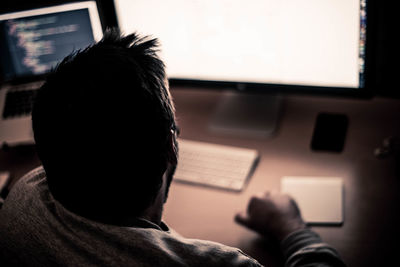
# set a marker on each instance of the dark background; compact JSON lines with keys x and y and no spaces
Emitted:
{"x":382,"y":33}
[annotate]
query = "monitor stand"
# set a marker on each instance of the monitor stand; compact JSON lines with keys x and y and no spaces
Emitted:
{"x":247,"y":115}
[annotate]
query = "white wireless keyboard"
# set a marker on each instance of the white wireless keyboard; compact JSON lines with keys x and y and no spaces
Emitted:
{"x":214,"y":165}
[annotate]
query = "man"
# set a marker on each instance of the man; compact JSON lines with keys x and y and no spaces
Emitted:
{"x":105,"y":132}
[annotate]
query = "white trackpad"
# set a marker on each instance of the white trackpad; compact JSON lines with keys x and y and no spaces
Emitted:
{"x":320,"y":199}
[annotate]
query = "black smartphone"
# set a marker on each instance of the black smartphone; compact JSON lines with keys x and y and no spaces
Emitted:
{"x":329,"y":132}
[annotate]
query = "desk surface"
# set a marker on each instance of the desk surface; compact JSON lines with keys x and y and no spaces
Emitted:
{"x":370,"y":231}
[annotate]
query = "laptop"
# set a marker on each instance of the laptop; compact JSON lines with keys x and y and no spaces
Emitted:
{"x":32,"y":42}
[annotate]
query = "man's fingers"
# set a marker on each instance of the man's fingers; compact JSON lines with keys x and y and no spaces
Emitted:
{"x":242,"y":218}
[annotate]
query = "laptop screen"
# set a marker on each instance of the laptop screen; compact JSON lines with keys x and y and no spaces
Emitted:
{"x":33,"y":42}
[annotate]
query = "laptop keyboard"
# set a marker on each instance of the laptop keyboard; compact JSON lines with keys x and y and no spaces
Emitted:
{"x":18,"y":103}
{"x":224,"y":167}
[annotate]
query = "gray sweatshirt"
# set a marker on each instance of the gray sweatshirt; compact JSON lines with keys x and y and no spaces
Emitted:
{"x":36,"y":230}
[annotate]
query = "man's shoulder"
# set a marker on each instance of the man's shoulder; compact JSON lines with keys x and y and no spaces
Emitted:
{"x":209,"y":253}
{"x":26,"y":199}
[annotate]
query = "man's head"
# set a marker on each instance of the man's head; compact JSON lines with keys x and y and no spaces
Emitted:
{"x":104,"y":128}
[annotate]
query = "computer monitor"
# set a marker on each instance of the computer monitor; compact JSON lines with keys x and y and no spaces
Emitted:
{"x":268,"y":46}
{"x":32,"y":42}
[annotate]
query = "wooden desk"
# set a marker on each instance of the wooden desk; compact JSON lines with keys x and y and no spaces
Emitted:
{"x":370,"y":231}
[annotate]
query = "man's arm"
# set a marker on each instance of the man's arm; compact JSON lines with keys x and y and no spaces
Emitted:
{"x":276,"y":215}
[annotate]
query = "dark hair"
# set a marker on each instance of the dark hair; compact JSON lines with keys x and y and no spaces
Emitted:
{"x":103,"y":124}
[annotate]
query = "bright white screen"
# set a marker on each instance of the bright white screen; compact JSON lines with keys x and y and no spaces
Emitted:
{"x":308,"y":42}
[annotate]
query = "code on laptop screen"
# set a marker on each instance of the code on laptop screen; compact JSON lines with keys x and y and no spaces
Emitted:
{"x":33,"y":45}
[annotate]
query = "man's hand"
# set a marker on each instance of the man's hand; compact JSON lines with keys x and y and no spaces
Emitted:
{"x":272,"y":215}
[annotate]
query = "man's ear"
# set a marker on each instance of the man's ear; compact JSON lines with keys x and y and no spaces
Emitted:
{"x":173,"y":149}
{"x":172,"y":162}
